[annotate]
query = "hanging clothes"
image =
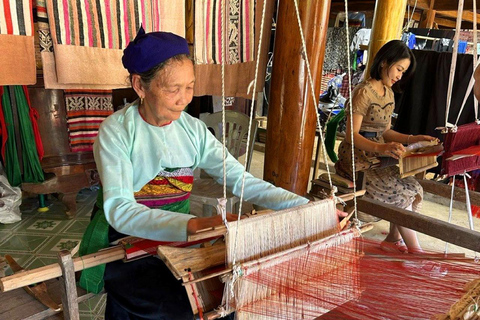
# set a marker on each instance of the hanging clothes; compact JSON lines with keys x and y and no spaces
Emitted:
{"x":32,"y":170}
{"x":9,"y":147}
{"x":409,"y":39}
{"x":336,"y":59}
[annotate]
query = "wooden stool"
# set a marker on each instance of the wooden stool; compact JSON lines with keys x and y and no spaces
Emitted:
{"x":71,"y":173}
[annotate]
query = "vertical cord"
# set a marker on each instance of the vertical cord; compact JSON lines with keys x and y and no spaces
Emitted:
{"x":250,"y":123}
{"x":247,"y":152}
{"x":222,"y":57}
{"x":351,"y":113}
{"x":454,"y":61}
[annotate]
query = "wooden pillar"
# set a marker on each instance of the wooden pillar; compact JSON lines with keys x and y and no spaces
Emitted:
{"x":387,"y":25}
{"x":291,"y":116}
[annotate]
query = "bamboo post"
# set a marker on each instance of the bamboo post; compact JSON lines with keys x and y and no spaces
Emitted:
{"x":387,"y":25}
{"x":291,"y":115}
{"x":69,"y":296}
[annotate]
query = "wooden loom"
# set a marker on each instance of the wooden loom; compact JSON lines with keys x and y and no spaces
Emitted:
{"x":287,"y":236}
{"x":302,"y":227}
{"x":196,"y":266}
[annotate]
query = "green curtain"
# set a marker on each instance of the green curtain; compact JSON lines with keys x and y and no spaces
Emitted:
{"x":12,"y":167}
{"x":32,"y":170}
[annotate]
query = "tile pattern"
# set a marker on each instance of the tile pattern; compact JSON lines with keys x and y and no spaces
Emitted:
{"x":36,"y":240}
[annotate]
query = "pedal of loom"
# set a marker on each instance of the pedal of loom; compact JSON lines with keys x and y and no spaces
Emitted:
{"x":18,"y":304}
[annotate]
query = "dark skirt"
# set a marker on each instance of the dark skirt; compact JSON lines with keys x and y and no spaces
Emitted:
{"x":144,"y":289}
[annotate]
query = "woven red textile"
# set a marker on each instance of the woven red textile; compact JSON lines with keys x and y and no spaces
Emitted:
{"x":467,"y":135}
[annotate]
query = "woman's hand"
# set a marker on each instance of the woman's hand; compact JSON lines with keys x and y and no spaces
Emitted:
{"x":392,"y":149}
{"x":420,"y":137}
{"x":196,"y":224}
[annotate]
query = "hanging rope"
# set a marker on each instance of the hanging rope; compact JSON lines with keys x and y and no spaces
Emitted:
{"x":475,"y":65}
{"x":351,"y":114}
{"x":252,"y":111}
{"x":222,"y":201}
{"x":454,"y":62}
{"x":315,"y":103}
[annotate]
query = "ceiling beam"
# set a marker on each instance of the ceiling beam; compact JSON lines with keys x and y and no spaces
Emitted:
{"x":367,"y":5}
{"x":443,"y":5}
{"x":467,"y":15}
{"x":445,"y":22}
{"x":419,"y":4}
{"x":449,"y":5}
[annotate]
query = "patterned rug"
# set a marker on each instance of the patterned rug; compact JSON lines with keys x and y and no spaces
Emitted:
{"x":86,"y":109}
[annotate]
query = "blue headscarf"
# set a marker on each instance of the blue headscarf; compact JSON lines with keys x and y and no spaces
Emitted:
{"x":150,"y":49}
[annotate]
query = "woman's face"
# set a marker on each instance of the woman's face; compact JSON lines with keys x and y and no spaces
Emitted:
{"x":392,"y":74}
{"x":170,"y":91}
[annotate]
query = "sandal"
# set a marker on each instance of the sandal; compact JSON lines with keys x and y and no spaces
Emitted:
{"x":396,"y":246}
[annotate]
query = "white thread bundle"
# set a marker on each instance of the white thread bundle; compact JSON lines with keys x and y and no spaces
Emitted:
{"x":283,"y":262}
{"x":250,"y":239}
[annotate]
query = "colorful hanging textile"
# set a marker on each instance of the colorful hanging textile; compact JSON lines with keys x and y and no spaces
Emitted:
{"x":32,"y":170}
{"x":88,"y":38}
{"x":242,"y":24}
{"x":239,"y":25}
{"x":86,"y":109}
{"x":15,"y":97}
{"x":17,"y":60}
{"x":9,"y":149}
{"x":33,"y":113}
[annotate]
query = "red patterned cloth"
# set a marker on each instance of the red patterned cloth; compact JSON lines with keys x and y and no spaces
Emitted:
{"x":86,"y":109}
{"x":467,"y":135}
{"x":171,"y":187}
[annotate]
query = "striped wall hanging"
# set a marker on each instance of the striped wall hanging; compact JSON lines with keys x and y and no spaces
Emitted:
{"x":17,"y":60}
{"x":88,"y":38}
{"x":86,"y":109}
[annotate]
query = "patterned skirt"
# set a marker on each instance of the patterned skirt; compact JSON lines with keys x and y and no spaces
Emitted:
{"x":385,"y":185}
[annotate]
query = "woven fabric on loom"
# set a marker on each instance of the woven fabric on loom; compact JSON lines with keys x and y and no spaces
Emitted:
{"x":85,"y":111}
{"x":17,"y":61}
{"x":86,"y":31}
{"x":467,"y":135}
{"x":239,"y":31}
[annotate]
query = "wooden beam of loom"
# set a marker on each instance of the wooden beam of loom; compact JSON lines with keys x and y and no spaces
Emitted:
{"x":445,"y":191}
{"x":52,"y":271}
{"x":439,"y":229}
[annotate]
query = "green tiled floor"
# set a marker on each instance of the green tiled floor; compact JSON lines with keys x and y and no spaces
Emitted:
{"x":35,"y":240}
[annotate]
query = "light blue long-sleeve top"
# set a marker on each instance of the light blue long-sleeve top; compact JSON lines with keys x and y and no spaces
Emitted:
{"x":129,"y":153}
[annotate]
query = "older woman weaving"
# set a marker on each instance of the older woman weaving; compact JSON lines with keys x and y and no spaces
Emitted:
{"x":146,"y":154}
